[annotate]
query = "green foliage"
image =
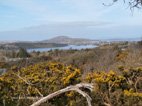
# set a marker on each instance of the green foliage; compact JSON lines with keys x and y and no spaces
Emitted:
{"x":3,"y":65}
{"x":23,"y":53}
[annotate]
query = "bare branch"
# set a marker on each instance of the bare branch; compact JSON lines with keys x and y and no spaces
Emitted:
{"x":106,"y":104}
{"x":28,"y":83}
{"x":132,"y":3}
{"x":69,"y":88}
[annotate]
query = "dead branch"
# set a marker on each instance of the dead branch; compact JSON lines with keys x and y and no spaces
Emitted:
{"x":69,"y":88}
{"x":132,"y":3}
{"x":106,"y":104}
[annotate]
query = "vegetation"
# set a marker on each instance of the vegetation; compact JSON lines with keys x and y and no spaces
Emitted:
{"x":115,"y":70}
{"x":29,"y":45}
{"x":23,"y":53}
{"x":121,"y":88}
{"x":113,"y":88}
{"x":37,"y":80}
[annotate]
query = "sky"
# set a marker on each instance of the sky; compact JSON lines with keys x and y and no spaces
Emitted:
{"x":34,"y":20}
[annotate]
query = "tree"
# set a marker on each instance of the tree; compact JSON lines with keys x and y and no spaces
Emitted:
{"x":23,"y":53}
{"x":131,"y":3}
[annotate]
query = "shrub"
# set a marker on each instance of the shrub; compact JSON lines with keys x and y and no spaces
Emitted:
{"x":23,"y":53}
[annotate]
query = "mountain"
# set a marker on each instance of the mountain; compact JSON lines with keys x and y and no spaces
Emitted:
{"x":81,"y":41}
{"x":70,"y":41}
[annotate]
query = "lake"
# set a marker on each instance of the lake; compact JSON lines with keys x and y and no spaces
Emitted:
{"x":69,"y":47}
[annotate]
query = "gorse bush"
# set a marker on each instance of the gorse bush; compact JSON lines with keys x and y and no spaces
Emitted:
{"x":37,"y":80}
{"x":121,"y":88}
{"x":117,"y":88}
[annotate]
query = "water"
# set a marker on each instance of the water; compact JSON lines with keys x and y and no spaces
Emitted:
{"x":69,"y":47}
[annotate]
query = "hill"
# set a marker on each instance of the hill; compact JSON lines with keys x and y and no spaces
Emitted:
{"x":71,"y":41}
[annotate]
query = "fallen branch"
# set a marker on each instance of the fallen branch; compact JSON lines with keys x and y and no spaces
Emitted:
{"x":69,"y":88}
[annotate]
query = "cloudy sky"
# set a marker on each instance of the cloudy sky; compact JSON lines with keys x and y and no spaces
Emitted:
{"x":44,"y":19}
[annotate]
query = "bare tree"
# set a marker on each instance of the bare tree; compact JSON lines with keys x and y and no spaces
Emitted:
{"x":131,"y":3}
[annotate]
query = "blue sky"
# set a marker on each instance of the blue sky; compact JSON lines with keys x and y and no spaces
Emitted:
{"x":44,"y":19}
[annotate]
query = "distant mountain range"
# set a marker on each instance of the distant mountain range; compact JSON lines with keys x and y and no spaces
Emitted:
{"x":58,"y":41}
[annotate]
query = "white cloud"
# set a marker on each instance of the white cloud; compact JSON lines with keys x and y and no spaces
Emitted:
{"x":93,"y":30}
{"x":77,"y":12}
